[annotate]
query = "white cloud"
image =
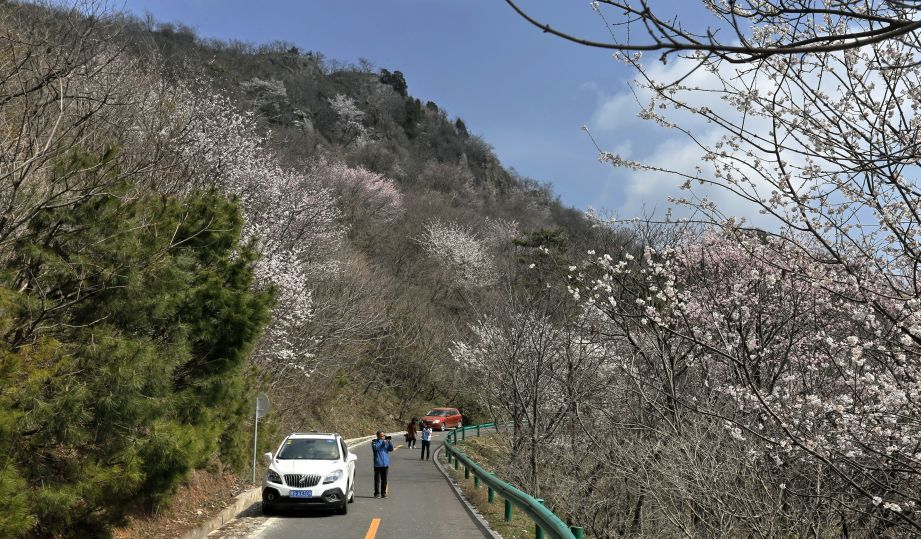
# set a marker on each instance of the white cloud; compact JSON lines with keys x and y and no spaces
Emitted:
{"x":614,"y":111}
{"x":617,"y":128}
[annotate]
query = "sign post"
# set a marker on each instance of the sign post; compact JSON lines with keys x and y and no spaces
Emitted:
{"x":262,"y":408}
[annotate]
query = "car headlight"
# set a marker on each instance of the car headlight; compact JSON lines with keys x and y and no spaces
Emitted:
{"x":333,"y":477}
{"x":436,"y":421}
{"x":273,"y":477}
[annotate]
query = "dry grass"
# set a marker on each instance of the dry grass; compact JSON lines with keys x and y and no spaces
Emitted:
{"x":202,"y":495}
{"x":481,"y":450}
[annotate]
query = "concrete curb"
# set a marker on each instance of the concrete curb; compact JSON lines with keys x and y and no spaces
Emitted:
{"x":244,"y":501}
{"x":480,"y":520}
{"x":241,"y":503}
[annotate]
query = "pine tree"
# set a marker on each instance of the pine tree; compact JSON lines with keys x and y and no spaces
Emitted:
{"x":123,"y":353}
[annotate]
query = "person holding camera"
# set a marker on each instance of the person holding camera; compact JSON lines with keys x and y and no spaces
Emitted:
{"x":426,"y":441}
{"x":381,"y":447}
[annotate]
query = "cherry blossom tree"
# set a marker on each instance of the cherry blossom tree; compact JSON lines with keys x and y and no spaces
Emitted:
{"x":462,"y":251}
{"x":351,"y":119}
{"x":291,"y":215}
{"x":748,"y":329}
{"x":533,"y":366}
{"x":360,"y":191}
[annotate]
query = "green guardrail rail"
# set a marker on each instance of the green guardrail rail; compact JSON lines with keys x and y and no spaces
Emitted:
{"x":545,"y":521}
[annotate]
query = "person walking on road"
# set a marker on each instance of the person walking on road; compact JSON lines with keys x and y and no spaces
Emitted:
{"x":426,"y":441}
{"x":381,"y":448}
{"x":411,"y":434}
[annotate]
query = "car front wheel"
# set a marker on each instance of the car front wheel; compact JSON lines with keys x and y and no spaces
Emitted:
{"x":442,"y":427}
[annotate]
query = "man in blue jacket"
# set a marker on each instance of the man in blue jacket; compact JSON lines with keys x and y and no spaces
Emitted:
{"x":381,"y":448}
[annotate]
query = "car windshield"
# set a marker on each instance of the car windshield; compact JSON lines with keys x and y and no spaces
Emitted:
{"x":439,"y":413}
{"x":310,"y":449}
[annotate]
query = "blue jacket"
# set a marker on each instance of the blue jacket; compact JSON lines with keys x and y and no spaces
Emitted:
{"x":381,"y":449}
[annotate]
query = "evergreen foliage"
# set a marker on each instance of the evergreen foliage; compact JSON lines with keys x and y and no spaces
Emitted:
{"x":125,"y":325}
{"x":395,"y":80}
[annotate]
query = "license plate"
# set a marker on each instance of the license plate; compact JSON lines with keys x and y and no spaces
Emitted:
{"x":301,"y":493}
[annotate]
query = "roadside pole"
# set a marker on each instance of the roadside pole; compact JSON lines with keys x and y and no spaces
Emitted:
{"x":262,"y":408}
{"x":255,"y":439}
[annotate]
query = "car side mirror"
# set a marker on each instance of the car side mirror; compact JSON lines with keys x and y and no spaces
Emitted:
{"x":268,"y":458}
{"x":351,"y":457}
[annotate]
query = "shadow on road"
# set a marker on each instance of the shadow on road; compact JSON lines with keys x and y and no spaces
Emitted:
{"x":291,"y":512}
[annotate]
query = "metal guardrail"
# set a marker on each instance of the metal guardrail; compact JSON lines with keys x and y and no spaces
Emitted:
{"x":545,"y":521}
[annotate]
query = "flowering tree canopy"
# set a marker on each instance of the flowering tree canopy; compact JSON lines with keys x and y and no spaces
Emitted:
{"x":461,"y":250}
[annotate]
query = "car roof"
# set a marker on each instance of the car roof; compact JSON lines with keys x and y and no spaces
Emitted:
{"x":444,"y":408}
{"x":314,"y":435}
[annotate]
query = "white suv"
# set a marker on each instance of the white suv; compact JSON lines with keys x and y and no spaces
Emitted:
{"x":310,"y":470}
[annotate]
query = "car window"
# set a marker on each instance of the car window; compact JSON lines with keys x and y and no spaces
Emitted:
{"x":345,"y":448}
{"x":455,"y":412}
{"x":309,"y":449}
{"x":438,"y":413}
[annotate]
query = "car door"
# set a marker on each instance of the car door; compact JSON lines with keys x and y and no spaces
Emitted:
{"x":349,"y":463}
{"x":456,"y":418}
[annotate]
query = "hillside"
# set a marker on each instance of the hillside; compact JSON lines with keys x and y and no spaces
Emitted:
{"x":313,"y":108}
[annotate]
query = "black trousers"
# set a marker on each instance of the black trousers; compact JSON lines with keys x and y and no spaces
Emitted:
{"x":380,"y":480}
{"x":426,"y":449}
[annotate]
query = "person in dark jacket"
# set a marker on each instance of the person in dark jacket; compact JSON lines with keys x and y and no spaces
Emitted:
{"x":381,"y":449}
{"x":411,"y":434}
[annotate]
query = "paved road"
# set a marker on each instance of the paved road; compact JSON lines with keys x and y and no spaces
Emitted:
{"x":420,"y":504}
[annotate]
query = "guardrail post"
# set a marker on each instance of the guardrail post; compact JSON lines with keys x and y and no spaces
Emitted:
{"x":456,"y":463}
{"x":508,"y":510}
{"x":466,"y":472}
{"x":463,"y":433}
{"x":576,"y":531}
{"x":448,"y":453}
{"x":477,"y":431}
{"x":538,"y":531}
{"x":490,"y":493}
{"x":476,"y":481}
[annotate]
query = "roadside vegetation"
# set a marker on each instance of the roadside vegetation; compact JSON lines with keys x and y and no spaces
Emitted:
{"x":486,"y":450}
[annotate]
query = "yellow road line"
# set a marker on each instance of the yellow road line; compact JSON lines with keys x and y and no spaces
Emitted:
{"x":372,"y":531}
{"x":397,"y":447}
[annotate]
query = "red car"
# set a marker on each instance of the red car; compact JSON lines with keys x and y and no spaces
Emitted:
{"x":443,"y":418}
